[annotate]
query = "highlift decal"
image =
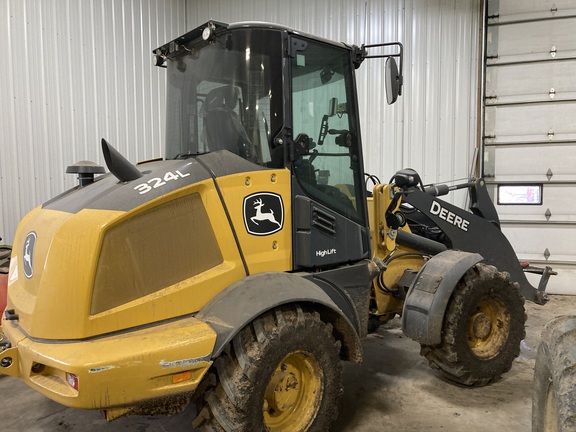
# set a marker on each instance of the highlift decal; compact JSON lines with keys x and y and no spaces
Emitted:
{"x":449,"y":217}
{"x":323,"y":253}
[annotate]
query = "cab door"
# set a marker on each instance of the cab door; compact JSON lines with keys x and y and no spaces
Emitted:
{"x":329,"y":198}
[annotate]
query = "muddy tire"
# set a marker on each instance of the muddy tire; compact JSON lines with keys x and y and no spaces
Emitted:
{"x":5,"y":252}
{"x":281,"y":373}
{"x":482,"y":328}
{"x":554,"y":386}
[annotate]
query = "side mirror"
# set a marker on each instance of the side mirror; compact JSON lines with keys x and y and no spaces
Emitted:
{"x":392,"y":80}
{"x":332,"y":107}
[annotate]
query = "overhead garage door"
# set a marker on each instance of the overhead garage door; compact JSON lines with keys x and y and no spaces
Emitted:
{"x":530,"y":130}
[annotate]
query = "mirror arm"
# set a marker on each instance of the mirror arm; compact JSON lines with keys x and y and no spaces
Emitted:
{"x":399,"y":54}
{"x":358,"y":55}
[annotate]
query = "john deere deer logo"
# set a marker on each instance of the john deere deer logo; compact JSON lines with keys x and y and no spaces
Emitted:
{"x":263,"y":216}
{"x":28,"y":254}
{"x":263,"y":213}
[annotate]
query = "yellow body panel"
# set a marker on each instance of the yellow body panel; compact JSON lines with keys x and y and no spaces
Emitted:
{"x":64,"y":259}
{"x":117,"y":370}
{"x":384,"y":246}
{"x":66,"y":255}
{"x":262,"y":253}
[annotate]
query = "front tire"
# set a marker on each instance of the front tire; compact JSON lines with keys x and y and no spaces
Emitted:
{"x":281,"y":373}
{"x":482,"y":329}
{"x":554,"y":386}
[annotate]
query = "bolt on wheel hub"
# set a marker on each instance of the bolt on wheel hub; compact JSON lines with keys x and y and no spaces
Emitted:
{"x":482,"y":326}
{"x":488,"y":328}
{"x":293,"y":394}
{"x":282,"y":392}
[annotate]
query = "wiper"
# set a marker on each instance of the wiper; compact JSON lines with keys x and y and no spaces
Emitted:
{"x":183,"y":155}
{"x":189,"y":154}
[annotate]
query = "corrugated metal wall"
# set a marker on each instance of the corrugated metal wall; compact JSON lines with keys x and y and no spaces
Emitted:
{"x":76,"y":71}
{"x":433,"y":126}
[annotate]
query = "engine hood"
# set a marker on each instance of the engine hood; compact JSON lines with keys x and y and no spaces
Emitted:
{"x":109,"y":193}
{"x":58,"y":248}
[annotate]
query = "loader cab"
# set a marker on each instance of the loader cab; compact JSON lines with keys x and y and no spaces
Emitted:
{"x":281,"y":100}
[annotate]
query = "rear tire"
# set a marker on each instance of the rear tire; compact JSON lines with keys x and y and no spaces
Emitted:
{"x":554,"y":386}
{"x":281,"y":373}
{"x":482,"y":329}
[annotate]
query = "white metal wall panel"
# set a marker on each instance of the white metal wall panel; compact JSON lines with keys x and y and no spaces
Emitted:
{"x":433,"y":126}
{"x":530,"y":123}
{"x":530,"y":127}
{"x":514,"y":83}
{"x":525,"y":163}
{"x":74,"y":72}
{"x":531,"y":247}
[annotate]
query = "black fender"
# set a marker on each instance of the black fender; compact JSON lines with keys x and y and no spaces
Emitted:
{"x":240,"y":303}
{"x":430,"y":292}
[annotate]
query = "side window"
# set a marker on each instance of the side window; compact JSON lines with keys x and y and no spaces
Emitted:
{"x":220,"y":122}
{"x":228,"y":97}
{"x":223,"y":123}
{"x":323,"y":116}
{"x":263,"y":117}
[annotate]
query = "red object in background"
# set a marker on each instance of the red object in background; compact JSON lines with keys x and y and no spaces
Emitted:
{"x":3,"y":291}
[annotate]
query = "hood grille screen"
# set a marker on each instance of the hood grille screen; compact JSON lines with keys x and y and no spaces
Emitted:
{"x":154,"y":250}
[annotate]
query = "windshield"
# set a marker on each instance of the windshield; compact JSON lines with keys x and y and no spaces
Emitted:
{"x":227,"y":95}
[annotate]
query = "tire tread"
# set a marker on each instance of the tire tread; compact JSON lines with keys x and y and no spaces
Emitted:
{"x":556,"y":366}
{"x":225,"y":406}
{"x":448,"y":357}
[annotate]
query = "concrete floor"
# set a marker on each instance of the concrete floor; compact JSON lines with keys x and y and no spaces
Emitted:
{"x":393,"y":390}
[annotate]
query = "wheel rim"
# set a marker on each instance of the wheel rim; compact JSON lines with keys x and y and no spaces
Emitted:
{"x":488,"y":328}
{"x":293,"y":394}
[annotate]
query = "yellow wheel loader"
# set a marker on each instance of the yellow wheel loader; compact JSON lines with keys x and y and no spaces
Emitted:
{"x":240,"y":269}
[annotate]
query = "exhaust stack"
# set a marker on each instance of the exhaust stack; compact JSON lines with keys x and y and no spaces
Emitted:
{"x":118,"y":165}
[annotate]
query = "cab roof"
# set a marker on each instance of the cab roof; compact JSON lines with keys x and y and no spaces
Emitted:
{"x":171,"y":48}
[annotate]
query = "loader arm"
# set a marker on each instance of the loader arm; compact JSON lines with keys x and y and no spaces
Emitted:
{"x":472,"y":233}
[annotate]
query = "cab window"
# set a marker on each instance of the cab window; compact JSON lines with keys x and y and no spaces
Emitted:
{"x":324,"y":126}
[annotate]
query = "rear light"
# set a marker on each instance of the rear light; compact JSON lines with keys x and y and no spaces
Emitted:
{"x":72,"y":380}
{"x":181,"y":377}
